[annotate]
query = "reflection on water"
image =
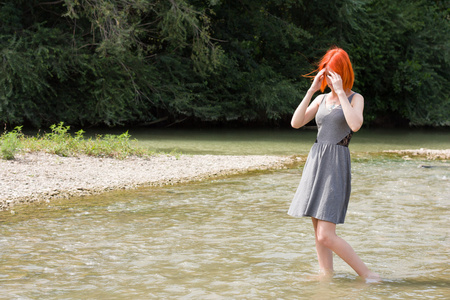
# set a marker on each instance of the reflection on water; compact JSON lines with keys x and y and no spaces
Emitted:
{"x":231,"y":238}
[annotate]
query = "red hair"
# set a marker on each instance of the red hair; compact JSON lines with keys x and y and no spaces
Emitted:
{"x":337,"y":60}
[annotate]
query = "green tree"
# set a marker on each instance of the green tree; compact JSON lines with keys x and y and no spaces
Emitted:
{"x":93,"y":62}
{"x":117,"y":62}
{"x":404,"y":61}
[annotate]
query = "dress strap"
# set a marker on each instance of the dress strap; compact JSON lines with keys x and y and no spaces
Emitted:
{"x":351,"y":97}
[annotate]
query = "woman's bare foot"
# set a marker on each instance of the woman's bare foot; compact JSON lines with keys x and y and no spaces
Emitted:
{"x":323,"y":275}
{"x":372,"y":277}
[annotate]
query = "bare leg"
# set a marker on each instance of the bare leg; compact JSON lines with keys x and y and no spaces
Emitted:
{"x":324,"y":254}
{"x":326,"y":237}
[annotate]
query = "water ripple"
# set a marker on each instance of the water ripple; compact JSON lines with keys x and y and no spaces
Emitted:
{"x":231,"y":238}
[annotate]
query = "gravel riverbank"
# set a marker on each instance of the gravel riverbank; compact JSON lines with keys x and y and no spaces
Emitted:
{"x":428,"y":153}
{"x":40,"y":176}
{"x":35,"y":177}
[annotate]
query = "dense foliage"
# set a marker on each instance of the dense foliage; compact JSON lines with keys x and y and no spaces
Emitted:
{"x":117,"y":62}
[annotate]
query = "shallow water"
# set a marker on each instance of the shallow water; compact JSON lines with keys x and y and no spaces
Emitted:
{"x":232,"y":239}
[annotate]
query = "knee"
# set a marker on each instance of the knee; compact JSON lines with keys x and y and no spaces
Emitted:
{"x":325,"y":239}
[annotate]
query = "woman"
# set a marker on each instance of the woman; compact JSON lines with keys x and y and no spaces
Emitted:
{"x":324,"y":189}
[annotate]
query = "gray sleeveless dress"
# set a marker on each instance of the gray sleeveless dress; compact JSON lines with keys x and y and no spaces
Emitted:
{"x":324,"y":189}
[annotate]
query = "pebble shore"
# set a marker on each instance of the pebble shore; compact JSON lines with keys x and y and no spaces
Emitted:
{"x":431,"y":154}
{"x":36,"y":177}
{"x":33,"y":177}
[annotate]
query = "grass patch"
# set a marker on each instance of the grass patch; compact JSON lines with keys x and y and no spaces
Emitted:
{"x":10,"y":143}
{"x":59,"y":141}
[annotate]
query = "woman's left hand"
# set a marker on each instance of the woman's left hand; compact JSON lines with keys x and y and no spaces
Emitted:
{"x":335,"y":80}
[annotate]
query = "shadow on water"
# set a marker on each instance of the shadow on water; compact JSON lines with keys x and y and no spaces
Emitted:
{"x":231,"y":239}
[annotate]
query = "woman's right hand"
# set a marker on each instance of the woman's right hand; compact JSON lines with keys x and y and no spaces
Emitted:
{"x":317,"y":82}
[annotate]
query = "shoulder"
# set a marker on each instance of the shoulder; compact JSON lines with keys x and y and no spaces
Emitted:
{"x":319,"y":99}
{"x":358,"y":102}
{"x":358,"y":96}
{"x":357,"y":99}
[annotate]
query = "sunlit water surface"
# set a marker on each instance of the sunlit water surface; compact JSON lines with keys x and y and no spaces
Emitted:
{"x":283,"y":141}
{"x":232,"y":239}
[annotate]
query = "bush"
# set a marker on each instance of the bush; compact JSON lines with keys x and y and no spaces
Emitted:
{"x":10,"y":143}
{"x":60,"y":142}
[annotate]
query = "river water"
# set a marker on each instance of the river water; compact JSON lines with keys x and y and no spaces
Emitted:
{"x":283,"y":141}
{"x":232,"y":239}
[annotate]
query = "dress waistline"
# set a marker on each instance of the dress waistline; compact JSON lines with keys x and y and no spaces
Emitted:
{"x":345,"y":141}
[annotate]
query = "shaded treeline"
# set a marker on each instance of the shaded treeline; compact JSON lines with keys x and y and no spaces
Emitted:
{"x":135,"y":62}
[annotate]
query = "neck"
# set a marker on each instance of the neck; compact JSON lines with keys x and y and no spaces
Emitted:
{"x":335,"y":95}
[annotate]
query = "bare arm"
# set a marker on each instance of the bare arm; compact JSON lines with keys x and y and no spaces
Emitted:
{"x":353,"y":112}
{"x":305,"y":112}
